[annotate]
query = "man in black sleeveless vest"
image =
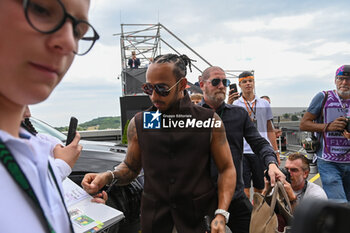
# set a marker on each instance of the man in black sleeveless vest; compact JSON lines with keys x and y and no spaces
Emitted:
{"x":175,"y":155}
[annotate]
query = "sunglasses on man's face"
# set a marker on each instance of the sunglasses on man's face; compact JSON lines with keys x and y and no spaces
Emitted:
{"x":216,"y":81}
{"x":161,"y":89}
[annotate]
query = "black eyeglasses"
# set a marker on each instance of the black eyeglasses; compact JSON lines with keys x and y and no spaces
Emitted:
{"x":161,"y":89}
{"x":342,"y":78}
{"x":48,"y":16}
{"x":216,"y":81}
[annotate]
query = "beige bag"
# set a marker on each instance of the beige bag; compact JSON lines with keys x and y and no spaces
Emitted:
{"x":264,"y":219}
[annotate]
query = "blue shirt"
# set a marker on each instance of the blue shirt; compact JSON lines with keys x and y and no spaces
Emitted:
{"x":316,"y":104}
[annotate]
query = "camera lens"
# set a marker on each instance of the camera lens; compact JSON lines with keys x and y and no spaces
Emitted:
{"x":287,"y":174}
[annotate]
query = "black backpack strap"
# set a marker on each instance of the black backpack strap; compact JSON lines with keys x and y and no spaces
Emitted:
{"x":322,"y":106}
{"x":320,"y":115}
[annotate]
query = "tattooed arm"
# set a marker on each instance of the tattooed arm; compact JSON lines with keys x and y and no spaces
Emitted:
{"x":124,"y":172}
{"x":227,"y":173}
{"x":131,"y":167}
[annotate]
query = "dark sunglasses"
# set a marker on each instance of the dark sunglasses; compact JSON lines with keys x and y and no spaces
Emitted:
{"x":161,"y":89}
{"x":216,"y":81}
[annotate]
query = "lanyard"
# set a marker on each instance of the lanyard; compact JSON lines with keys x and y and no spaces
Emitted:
{"x":17,"y":174}
{"x":343,"y":105}
{"x":250,"y":108}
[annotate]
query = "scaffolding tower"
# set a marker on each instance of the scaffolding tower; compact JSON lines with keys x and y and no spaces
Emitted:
{"x":147,"y":41}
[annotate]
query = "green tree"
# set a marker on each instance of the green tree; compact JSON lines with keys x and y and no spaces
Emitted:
{"x":125,"y":133}
{"x":286,"y":115}
{"x":102,"y":122}
{"x":294,"y":118}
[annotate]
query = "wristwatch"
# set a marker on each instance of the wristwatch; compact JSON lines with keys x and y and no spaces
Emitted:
{"x":223,"y":213}
{"x":274,"y":162}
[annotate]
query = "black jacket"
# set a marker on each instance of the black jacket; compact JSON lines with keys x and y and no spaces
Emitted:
{"x":238,"y":125}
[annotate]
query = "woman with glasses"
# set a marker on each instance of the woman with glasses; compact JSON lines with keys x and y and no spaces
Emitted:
{"x":38,"y":41}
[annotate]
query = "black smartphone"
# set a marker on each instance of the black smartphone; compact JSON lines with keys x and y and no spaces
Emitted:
{"x":233,"y":88}
{"x":71,"y":130}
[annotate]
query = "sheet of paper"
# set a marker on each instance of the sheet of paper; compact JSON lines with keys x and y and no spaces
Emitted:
{"x":73,"y":193}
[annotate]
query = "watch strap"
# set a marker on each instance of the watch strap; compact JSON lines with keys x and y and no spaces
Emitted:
{"x":223,"y":213}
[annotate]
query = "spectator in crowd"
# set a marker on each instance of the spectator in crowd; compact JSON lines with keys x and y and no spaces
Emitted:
{"x":278,"y":132}
{"x":260,"y":113}
{"x":41,"y":39}
{"x":238,"y":125}
{"x":265,"y":97}
{"x":178,"y":190}
{"x":134,"y":62}
{"x":196,"y":98}
{"x":327,"y":116}
{"x":199,"y":80}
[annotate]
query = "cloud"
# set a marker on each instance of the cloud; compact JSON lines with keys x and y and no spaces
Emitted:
{"x":83,"y":101}
{"x":101,"y":64}
{"x":293,"y":46}
{"x":284,"y":23}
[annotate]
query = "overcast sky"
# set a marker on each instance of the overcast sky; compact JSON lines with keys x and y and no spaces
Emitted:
{"x":294,"y":47}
